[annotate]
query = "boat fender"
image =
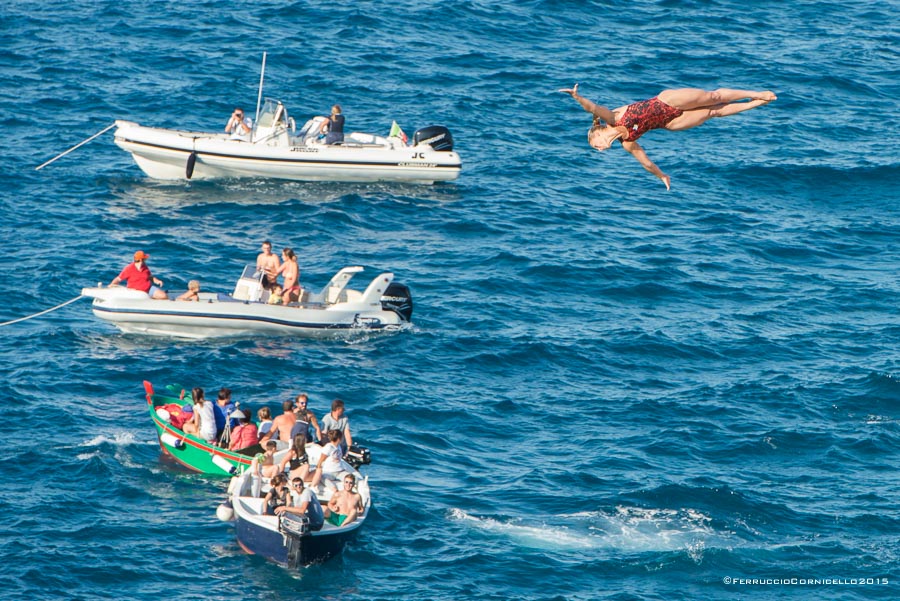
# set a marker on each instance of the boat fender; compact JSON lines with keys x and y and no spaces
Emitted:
{"x":171,"y":440}
{"x":163,"y":414}
{"x":225,"y":511}
{"x":224,"y":464}
{"x":189,"y":168}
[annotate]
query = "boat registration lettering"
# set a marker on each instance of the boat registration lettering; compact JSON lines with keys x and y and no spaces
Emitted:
{"x":303,"y":149}
{"x":408,"y":164}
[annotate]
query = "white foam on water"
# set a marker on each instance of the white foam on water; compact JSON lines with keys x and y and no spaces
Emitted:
{"x":629,"y":529}
{"x":542,"y":536}
{"x":119,"y":439}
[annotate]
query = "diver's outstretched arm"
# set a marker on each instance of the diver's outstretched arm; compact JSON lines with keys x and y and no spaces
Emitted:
{"x":591,"y":107}
{"x":637,"y":152}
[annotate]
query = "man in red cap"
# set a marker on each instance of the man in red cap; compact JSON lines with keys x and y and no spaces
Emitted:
{"x":139,"y":277}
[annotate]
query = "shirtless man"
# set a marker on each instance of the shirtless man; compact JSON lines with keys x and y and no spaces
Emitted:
{"x":268,"y":262}
{"x":345,"y":504}
{"x":283,"y":424}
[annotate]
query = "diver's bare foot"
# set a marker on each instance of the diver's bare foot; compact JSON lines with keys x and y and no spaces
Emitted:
{"x":767,"y":96}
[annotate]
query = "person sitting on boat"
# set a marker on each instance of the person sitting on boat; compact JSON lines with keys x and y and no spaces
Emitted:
{"x":278,"y":496}
{"x":283,"y":425}
{"x":264,"y":415}
{"x":330,"y":464}
{"x":345,"y":505}
{"x":223,"y":409}
{"x":138,"y":276}
{"x":305,"y":503}
{"x":193,"y":292}
{"x":179,"y":418}
{"x":268,"y":263}
{"x":306,"y":423}
{"x":291,"y":272}
{"x":264,"y":463}
{"x":275,"y":296}
{"x":239,"y":126}
{"x":245,"y":434}
{"x":333,"y":126}
{"x":337,"y":420}
{"x":203,"y":422}
{"x":297,"y":458}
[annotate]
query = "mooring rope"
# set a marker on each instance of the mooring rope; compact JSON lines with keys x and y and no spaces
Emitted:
{"x":59,"y":306}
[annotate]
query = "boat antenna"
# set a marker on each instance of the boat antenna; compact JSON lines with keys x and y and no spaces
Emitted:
{"x":262,"y":74}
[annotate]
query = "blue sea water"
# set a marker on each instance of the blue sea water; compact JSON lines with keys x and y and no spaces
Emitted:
{"x":611,"y":391}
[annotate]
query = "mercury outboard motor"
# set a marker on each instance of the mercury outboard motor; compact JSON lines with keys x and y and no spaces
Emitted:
{"x":397,"y":298}
{"x":436,"y":136}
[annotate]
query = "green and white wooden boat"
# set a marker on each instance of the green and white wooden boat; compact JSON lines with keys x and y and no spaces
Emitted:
{"x":190,"y":451}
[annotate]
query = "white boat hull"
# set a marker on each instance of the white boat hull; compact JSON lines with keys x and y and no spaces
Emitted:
{"x":339,"y":313}
{"x":165,"y":153}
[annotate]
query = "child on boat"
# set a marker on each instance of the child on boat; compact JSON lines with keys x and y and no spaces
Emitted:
{"x":275,"y":297}
{"x":264,"y":463}
{"x":193,"y":292}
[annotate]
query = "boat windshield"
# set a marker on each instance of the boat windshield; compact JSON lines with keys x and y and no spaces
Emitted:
{"x":272,"y":114}
{"x":251,"y":273}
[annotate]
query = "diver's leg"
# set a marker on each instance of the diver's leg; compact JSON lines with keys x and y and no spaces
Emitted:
{"x":691,"y":98}
{"x":699,"y":116}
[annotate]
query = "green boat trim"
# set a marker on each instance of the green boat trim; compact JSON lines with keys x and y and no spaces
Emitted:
{"x":190,"y":451}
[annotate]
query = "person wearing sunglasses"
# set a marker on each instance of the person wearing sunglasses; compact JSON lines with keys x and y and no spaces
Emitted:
{"x":345,"y":505}
{"x":304,"y":502}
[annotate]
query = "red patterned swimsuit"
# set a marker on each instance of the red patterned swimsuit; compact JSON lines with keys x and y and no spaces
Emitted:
{"x":641,"y":117}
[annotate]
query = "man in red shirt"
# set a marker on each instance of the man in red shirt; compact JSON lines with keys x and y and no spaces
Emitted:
{"x":139,"y":277}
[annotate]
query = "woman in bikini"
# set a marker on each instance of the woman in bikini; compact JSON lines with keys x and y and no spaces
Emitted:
{"x":674,"y":110}
{"x":297,"y":458}
{"x":291,"y":272}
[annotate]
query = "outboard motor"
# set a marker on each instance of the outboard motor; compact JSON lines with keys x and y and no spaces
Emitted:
{"x":398,"y":298}
{"x":357,"y":456}
{"x":436,"y":136}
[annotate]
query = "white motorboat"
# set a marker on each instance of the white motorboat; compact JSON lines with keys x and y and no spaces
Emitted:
{"x":288,"y":539}
{"x":336,"y":311}
{"x":275,"y":149}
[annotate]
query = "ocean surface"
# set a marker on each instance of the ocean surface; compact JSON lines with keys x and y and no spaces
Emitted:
{"x":610,"y":392}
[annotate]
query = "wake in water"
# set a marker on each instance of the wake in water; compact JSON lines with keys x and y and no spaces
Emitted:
{"x":629,"y":529}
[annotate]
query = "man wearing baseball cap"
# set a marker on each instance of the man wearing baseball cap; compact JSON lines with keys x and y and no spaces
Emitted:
{"x":138,"y":276}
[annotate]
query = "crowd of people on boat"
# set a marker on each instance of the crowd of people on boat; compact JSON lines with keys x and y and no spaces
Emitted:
{"x":137,"y":276}
{"x":225,"y":424}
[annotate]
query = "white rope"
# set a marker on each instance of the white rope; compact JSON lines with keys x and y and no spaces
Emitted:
{"x":7,"y":323}
{"x":82,"y":143}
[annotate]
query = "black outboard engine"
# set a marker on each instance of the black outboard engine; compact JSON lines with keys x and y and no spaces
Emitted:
{"x":436,"y":136}
{"x":358,"y":455}
{"x":398,"y":298}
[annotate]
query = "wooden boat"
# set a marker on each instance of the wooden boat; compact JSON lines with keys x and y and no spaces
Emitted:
{"x":190,"y":451}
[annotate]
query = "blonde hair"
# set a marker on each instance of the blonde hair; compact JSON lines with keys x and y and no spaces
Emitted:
{"x":598,"y":126}
{"x":193,"y":285}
